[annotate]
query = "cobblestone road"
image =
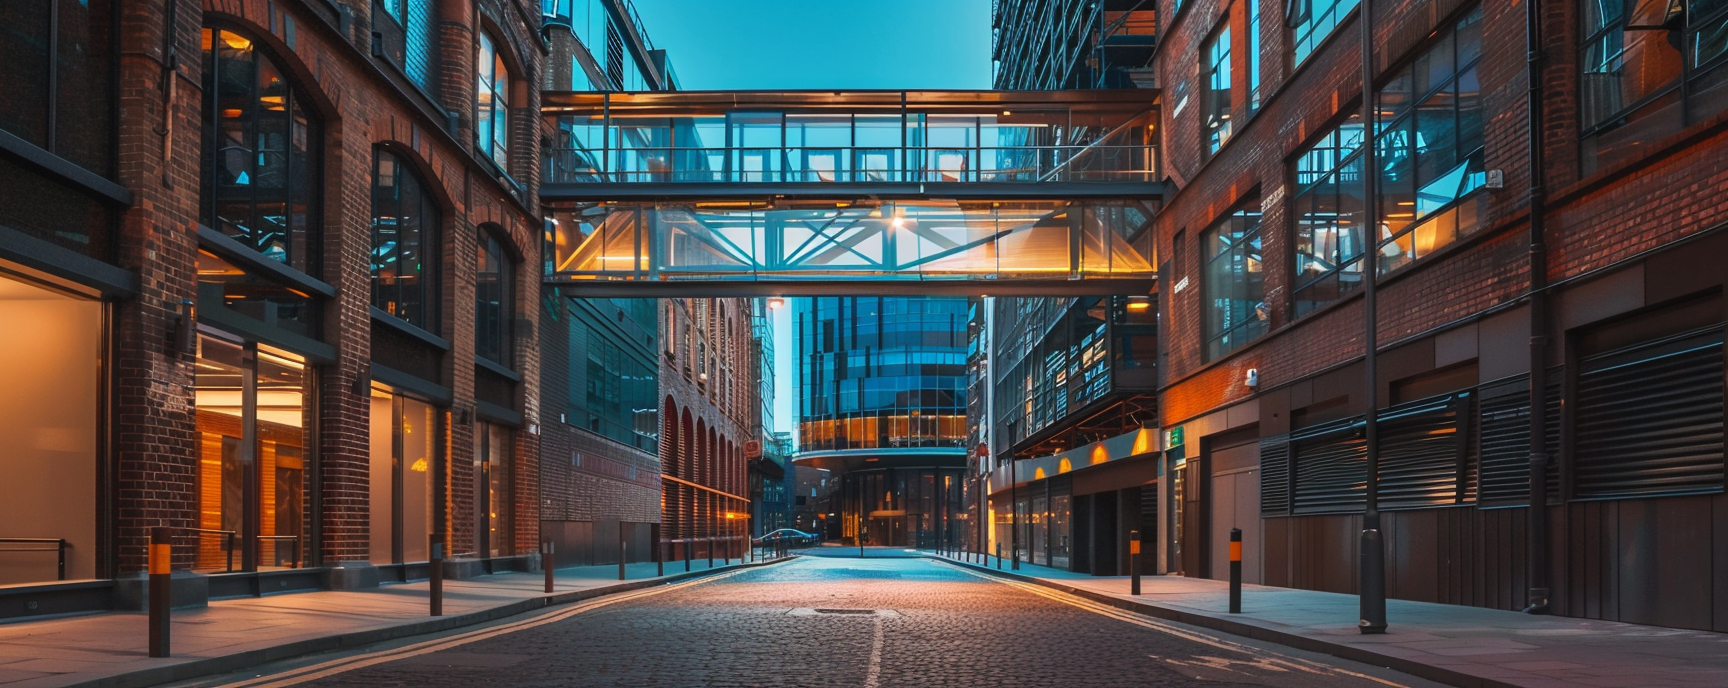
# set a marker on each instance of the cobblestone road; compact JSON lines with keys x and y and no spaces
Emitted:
{"x":830,"y":622}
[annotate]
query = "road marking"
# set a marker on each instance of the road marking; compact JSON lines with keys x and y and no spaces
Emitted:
{"x":1169,"y":629}
{"x":346,"y":664}
{"x":874,"y":674}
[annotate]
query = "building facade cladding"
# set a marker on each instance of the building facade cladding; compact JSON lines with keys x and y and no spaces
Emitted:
{"x":882,"y":382}
{"x":245,"y":350}
{"x":1630,"y":201}
{"x":708,"y":411}
{"x":1043,"y":45}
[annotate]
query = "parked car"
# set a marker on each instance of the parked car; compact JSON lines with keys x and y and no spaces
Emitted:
{"x":790,"y":537}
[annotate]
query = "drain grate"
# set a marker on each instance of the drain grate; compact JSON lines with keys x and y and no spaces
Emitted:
{"x":871,"y":612}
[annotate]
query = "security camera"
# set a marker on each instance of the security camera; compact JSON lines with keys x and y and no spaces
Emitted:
{"x":1252,"y":379}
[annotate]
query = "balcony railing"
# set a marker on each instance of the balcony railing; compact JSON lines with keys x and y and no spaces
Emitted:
{"x":1093,"y":163}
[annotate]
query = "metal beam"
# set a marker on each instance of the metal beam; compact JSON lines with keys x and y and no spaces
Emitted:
{"x":842,"y":286}
{"x":763,"y":191}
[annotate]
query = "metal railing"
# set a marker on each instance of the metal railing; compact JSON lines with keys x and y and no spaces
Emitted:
{"x":859,"y":164}
{"x":228,"y":542}
{"x":295,"y":560}
{"x":59,"y":548}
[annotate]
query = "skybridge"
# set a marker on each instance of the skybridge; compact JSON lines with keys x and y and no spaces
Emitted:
{"x":813,"y":192}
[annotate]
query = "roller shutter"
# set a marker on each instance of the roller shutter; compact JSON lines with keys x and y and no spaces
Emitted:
{"x":1649,"y":419}
{"x":1423,"y":452}
{"x":1503,"y":447}
{"x":1331,"y":468}
{"x":1275,"y":476}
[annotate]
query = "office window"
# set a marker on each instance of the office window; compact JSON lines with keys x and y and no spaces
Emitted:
{"x":1635,"y":58}
{"x":1216,"y":76}
{"x":1311,"y":21}
{"x":492,"y":109}
{"x":1233,"y":301}
{"x":260,"y":161}
{"x":1429,"y":148}
{"x":1254,"y":56}
{"x":405,"y":224}
{"x":59,"y":78}
{"x":1327,"y":210}
{"x":494,"y":289}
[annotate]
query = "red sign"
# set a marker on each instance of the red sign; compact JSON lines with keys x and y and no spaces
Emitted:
{"x":752,"y":449}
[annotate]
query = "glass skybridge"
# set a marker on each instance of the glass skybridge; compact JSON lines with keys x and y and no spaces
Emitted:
{"x":701,"y":144}
{"x":806,"y":193}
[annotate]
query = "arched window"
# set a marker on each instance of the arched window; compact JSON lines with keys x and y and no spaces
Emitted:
{"x":260,"y":162}
{"x":494,"y":302}
{"x":492,"y":111}
{"x":405,"y":225}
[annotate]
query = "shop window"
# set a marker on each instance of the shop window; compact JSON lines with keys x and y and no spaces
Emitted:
{"x":1648,"y":69}
{"x":404,"y":466}
{"x":51,"y":366}
{"x":252,"y":484}
{"x":1327,"y":210}
{"x":405,"y":243}
{"x":260,"y":160}
{"x":60,"y":74}
{"x":1215,"y":74}
{"x":492,"y":109}
{"x":1312,"y":21}
{"x":492,"y":485}
{"x":1233,"y":298}
{"x":222,"y":285}
{"x":1429,"y":148}
{"x":494,"y":301}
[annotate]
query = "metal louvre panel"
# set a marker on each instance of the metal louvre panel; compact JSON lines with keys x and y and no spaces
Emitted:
{"x":1503,"y":443}
{"x":1649,"y":419}
{"x":1331,"y":469}
{"x":1275,"y":476}
{"x":1420,"y":449}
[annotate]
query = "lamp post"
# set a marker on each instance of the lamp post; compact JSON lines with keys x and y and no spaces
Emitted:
{"x":1372,"y":586}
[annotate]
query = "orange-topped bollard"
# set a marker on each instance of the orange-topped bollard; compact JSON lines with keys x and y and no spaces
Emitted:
{"x":161,"y":570}
{"x":1133,"y":562}
{"x":1235,"y":570}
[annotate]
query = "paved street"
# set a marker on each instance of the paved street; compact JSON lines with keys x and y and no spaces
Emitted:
{"x":828,"y":621}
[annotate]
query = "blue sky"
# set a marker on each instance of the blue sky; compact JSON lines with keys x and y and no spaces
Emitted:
{"x":796,"y":44}
{"x":820,"y":44}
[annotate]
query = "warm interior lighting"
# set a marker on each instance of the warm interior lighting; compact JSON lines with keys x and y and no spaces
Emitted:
{"x":1139,"y":305}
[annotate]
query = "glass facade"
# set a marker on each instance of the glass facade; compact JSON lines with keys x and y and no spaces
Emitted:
{"x":1311,"y":21}
{"x":1649,"y":70}
{"x":881,"y":373}
{"x":405,"y":450}
{"x":1233,"y":300}
{"x":261,"y":167}
{"x":613,"y":376}
{"x":1058,"y":357}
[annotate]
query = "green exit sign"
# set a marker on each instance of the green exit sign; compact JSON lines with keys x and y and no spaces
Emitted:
{"x":1175,"y":437}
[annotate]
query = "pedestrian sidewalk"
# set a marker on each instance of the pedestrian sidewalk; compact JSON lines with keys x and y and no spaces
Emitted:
{"x":111,"y":650}
{"x":1457,"y":645}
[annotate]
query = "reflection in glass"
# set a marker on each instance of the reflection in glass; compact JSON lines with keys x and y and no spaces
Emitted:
{"x":252,"y":409}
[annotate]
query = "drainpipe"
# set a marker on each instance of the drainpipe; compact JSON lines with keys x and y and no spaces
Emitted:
{"x":1372,"y":585}
{"x":1538,"y":515}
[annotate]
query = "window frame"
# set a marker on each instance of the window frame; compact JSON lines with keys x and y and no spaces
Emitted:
{"x":1690,"y":70}
{"x":428,"y":279}
{"x":1343,"y":157}
{"x":492,"y":247}
{"x":1216,"y":54}
{"x":1245,"y":249}
{"x":492,"y":101}
{"x":1303,"y":11}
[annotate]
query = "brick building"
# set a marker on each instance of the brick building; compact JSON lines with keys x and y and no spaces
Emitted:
{"x":708,"y":411}
{"x":265,"y":265}
{"x":1604,"y":240}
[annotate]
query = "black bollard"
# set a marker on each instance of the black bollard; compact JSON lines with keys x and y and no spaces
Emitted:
{"x":546,"y":563}
{"x":436,"y":573}
{"x":1133,"y":562}
{"x":1235,"y":570}
{"x":623,"y":554}
{"x":161,"y":569}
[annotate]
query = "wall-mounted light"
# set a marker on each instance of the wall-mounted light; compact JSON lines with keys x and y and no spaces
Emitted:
{"x":183,"y":328}
{"x":775,"y":302}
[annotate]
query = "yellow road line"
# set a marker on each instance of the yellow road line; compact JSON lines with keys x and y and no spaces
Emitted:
{"x":1167,"y":628}
{"x":345,"y":664}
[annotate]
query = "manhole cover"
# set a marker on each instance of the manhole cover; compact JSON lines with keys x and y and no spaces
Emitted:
{"x":839,"y":611}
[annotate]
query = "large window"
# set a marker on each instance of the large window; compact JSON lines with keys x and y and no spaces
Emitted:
{"x":1649,"y":68}
{"x":1254,"y":95}
{"x":1311,"y":21}
{"x":1429,"y":148}
{"x":259,"y":181}
{"x":403,"y":470}
{"x":1216,"y":77}
{"x":1234,"y":294}
{"x":494,"y":303}
{"x":1328,"y":215}
{"x":405,"y":225}
{"x":614,"y":384}
{"x":492,"y":109}
{"x":59,"y":78}
{"x":492,"y":489}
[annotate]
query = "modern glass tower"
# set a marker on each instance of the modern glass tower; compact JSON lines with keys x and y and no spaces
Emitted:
{"x":882,"y":404}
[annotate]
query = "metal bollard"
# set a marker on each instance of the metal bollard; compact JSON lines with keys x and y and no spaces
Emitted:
{"x":623,"y":550}
{"x":161,"y":570}
{"x":1235,"y":570}
{"x":1133,"y":562}
{"x":659,"y":558}
{"x":998,"y":556}
{"x":436,"y":573}
{"x":546,"y":563}
{"x":687,"y":547}
{"x":710,"y":551}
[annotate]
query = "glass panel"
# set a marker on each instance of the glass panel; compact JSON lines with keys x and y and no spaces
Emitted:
{"x":283,"y":407}
{"x":381,"y":491}
{"x":83,"y":126}
{"x":493,"y":289}
{"x":1216,"y":95}
{"x":419,"y":427}
{"x":51,"y":367}
{"x":405,"y":228}
{"x":23,"y":24}
{"x":223,"y":459}
{"x":498,"y":515}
